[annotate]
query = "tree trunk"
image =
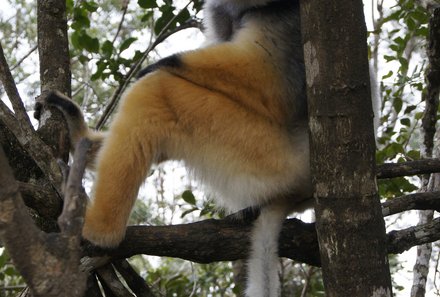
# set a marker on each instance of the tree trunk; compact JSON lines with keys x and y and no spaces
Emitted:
{"x":53,"y":49}
{"x":350,"y":226}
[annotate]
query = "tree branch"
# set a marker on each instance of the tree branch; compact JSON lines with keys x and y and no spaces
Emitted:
{"x":419,"y":201}
{"x":72,"y":218}
{"x":35,"y":147}
{"x":13,"y":95}
{"x":390,"y":170}
{"x":61,"y":250}
{"x":402,"y":240}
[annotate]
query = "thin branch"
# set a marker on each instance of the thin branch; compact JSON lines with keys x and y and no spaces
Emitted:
{"x":124,"y":12}
{"x":24,"y":57}
{"x":13,"y":95}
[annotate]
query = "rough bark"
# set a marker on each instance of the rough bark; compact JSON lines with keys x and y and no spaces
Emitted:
{"x":425,"y":166}
{"x":349,"y":221}
{"x":55,"y":74}
{"x":228,"y":240}
{"x":429,"y":120}
{"x":49,"y":263}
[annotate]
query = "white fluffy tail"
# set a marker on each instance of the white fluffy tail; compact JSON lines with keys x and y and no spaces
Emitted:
{"x":263,"y":266}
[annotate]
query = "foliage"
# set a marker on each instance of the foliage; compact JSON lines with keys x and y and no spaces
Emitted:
{"x":403,"y":32}
{"x":9,"y":276}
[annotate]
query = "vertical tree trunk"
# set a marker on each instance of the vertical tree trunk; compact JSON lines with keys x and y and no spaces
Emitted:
{"x":350,"y":226}
{"x":54,"y":57}
{"x":429,"y":120}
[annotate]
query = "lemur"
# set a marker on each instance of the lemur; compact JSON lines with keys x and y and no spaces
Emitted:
{"x":234,"y":111}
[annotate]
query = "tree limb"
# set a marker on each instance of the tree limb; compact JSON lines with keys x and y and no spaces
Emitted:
{"x":17,"y":230}
{"x":419,"y":201}
{"x":390,"y":170}
{"x":13,"y":95}
{"x":226,"y":240}
{"x":402,"y":240}
{"x":35,"y":147}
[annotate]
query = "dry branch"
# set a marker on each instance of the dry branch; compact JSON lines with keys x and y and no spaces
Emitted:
{"x":419,"y":201}
{"x":400,"y":241}
{"x":425,"y":166}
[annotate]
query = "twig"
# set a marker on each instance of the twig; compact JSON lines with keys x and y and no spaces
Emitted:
{"x":24,"y":57}
{"x":124,"y":12}
{"x":72,"y":217}
{"x":13,"y":95}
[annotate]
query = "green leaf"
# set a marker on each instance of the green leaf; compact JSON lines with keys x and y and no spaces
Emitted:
{"x":126,"y":44}
{"x":146,"y":17}
{"x":80,"y":19}
{"x":107,"y":48}
{"x":397,"y":104}
{"x":405,"y":122}
{"x":188,"y":196}
{"x":75,"y":40}
{"x":164,"y":19}
{"x":101,"y":66}
{"x":389,"y":74}
{"x":413,"y":154}
{"x":410,"y":108}
{"x":90,"y":6}
{"x":89,"y":43}
{"x":389,"y":58}
{"x":147,"y":3}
